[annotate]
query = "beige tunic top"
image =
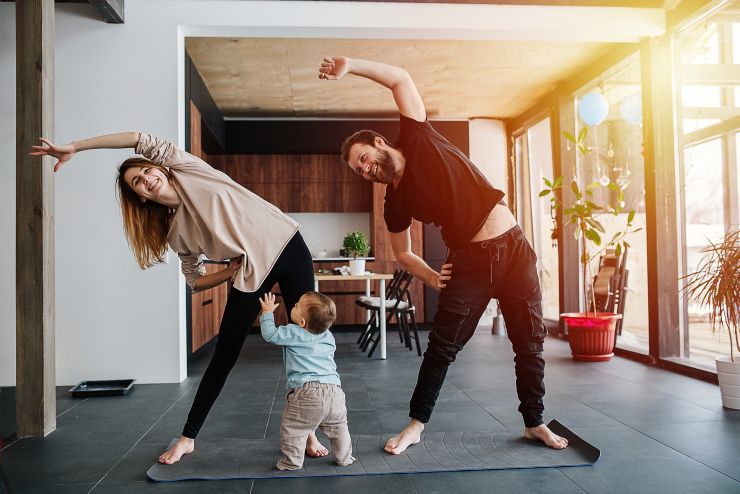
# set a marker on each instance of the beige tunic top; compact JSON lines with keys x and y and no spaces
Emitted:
{"x":218,"y":218}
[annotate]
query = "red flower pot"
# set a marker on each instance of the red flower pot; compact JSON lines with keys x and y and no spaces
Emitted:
{"x":591,"y":335}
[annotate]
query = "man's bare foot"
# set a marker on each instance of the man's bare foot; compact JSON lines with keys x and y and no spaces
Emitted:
{"x":410,"y":435}
{"x":314,"y":448}
{"x":183,"y":446}
{"x":544,"y":434}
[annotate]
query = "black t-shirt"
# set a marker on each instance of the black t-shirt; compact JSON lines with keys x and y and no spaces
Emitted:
{"x":439,"y":184}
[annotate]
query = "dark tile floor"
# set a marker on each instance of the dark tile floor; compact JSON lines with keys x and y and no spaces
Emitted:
{"x":658,"y":431}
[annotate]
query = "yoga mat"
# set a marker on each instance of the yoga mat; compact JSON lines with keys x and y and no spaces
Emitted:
{"x":437,"y":452}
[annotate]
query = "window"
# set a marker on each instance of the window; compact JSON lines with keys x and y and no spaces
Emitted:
{"x":539,"y":139}
{"x":533,"y":162}
{"x":707,"y":58}
{"x":615,"y":156}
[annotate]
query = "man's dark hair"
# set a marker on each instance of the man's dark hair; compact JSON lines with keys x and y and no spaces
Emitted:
{"x":361,"y":137}
{"x":320,"y":312}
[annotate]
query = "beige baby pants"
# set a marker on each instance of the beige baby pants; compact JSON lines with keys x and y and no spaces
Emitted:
{"x":314,"y":405}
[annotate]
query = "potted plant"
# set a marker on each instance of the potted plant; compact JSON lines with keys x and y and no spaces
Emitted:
{"x":716,"y":284}
{"x":356,"y":244}
{"x":591,"y":334}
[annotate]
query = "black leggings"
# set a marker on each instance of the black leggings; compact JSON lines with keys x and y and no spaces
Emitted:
{"x":293,"y":272}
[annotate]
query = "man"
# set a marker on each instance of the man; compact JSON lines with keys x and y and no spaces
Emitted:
{"x":430,"y":180}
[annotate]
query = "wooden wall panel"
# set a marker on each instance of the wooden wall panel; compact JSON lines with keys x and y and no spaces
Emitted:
{"x":299,"y":183}
{"x":329,"y":168}
{"x":196,"y":134}
{"x":207,"y":309}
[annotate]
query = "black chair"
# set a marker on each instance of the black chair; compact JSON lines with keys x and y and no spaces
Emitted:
{"x":365,"y":302}
{"x":400,"y":305}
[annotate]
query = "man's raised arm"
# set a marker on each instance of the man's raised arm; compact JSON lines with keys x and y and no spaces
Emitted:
{"x":407,"y":97}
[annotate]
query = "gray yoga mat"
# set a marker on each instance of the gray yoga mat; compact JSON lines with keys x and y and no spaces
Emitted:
{"x":437,"y":452}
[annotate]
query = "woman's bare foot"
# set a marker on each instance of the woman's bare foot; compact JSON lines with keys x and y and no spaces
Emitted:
{"x":544,"y":434}
{"x":183,"y":446}
{"x":410,"y":435}
{"x":314,"y":448}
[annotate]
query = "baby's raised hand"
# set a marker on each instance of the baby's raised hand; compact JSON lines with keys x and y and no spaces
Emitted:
{"x":268,"y":302}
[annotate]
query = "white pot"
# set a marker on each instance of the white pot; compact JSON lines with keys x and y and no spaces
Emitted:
{"x":357,"y":267}
{"x":728,"y":373}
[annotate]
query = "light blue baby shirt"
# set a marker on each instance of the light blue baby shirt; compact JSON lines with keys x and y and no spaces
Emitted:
{"x":307,"y":356}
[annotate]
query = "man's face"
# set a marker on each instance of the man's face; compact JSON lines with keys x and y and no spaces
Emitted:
{"x":374,"y":163}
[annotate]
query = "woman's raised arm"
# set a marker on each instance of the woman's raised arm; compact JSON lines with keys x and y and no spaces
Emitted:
{"x":66,"y":152}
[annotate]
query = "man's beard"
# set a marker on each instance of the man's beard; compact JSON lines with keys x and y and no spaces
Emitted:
{"x":385,"y":163}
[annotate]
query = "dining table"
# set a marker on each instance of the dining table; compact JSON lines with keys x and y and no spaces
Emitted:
{"x":368,"y":278}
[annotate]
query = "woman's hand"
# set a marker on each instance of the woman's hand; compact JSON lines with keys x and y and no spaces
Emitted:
{"x":61,"y":153}
{"x":445,"y":275}
{"x":268,"y":302}
{"x":235,"y":264}
{"x":334,"y":68}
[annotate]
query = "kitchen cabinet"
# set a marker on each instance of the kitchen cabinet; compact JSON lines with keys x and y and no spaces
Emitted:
{"x":207,"y":308}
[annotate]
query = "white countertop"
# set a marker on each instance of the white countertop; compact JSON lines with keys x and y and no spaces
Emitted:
{"x":340,"y":259}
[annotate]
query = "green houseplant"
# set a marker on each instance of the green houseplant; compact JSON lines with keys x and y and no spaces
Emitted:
{"x":356,"y":245}
{"x":591,"y":334}
{"x":716,"y":285}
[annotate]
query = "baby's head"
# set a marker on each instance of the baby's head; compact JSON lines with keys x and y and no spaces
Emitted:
{"x":315,"y":312}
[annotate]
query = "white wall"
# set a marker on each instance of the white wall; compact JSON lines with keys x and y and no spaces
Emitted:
{"x":7,"y":194}
{"x":112,"y":320}
{"x":327,"y":230}
{"x":488,"y":150}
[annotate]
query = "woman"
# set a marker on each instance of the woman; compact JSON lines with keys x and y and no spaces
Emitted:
{"x":170,"y":197}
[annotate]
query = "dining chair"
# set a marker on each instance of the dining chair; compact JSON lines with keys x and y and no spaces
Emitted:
{"x":399,"y":304}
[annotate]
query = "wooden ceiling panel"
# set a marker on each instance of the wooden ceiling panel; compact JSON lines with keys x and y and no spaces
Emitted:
{"x":264,"y":77}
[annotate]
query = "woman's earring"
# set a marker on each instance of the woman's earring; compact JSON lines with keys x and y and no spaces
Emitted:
{"x":142,"y":199}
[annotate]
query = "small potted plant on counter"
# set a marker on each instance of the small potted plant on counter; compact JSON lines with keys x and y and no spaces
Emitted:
{"x":591,"y":334}
{"x":716,"y":285}
{"x":356,"y":245}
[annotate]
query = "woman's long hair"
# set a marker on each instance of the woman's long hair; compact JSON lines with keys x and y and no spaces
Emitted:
{"x":144,"y":223}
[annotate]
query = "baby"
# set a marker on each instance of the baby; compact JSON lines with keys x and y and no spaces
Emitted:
{"x":315,"y":397}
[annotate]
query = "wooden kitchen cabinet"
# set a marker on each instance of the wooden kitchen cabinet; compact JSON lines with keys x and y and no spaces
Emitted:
{"x":207,"y":309}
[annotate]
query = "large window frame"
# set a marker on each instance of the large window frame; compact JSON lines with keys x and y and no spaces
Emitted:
{"x":721,"y":127}
{"x":662,"y":168}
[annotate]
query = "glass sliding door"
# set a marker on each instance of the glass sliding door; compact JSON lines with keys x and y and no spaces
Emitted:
{"x":533,"y":163}
{"x":703,"y":192}
{"x":615,"y":157}
{"x":707,"y":59}
{"x":539,"y":140}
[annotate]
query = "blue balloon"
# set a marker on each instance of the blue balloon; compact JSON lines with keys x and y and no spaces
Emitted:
{"x":593,"y":108}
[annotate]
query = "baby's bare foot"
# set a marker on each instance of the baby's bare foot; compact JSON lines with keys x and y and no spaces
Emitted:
{"x":544,"y":434}
{"x":183,"y":446}
{"x":410,"y":435}
{"x":314,"y":448}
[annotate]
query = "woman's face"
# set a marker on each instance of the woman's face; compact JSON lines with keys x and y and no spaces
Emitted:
{"x":149,"y":182}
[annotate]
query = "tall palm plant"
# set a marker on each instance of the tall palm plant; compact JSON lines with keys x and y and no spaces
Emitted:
{"x":716,"y":284}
